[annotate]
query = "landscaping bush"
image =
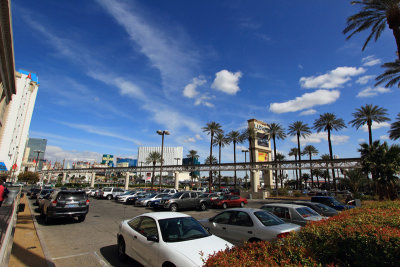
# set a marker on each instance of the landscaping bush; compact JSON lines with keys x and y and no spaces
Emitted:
{"x":282,"y":191}
{"x":297,"y":193}
{"x":367,"y":236}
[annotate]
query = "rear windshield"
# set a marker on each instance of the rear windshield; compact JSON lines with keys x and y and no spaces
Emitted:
{"x":268,"y":219}
{"x":72,"y":195}
{"x":306,"y":212}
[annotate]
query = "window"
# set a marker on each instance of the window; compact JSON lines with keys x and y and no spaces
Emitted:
{"x":242,"y":219}
{"x":234,"y":197}
{"x":267,"y":218}
{"x":306,"y":212}
{"x":185,"y":195}
{"x":134,"y":223}
{"x":148,"y":227}
{"x":193,"y":195}
{"x":223,"y":217}
{"x":282,"y":212}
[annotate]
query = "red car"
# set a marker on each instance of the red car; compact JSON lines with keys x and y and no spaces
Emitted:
{"x":229,"y":201}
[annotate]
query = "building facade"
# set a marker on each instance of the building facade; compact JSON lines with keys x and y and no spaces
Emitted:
{"x":14,"y":132}
{"x":126,"y":162}
{"x":170,"y":156}
{"x":34,"y":152}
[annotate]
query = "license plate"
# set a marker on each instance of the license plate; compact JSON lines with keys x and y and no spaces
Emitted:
{"x":71,"y":205}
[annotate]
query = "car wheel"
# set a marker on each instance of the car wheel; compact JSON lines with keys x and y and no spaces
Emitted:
{"x":224,"y":206}
{"x":148,"y":204}
{"x":168,"y":264}
{"x":203,"y":206}
{"x":242,"y":204}
{"x":81,"y":218}
{"x":109,"y":197}
{"x":253,"y":240}
{"x":121,"y":249}
{"x":174,"y":207}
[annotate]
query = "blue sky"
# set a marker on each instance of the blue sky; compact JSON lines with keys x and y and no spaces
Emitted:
{"x":112,"y":73}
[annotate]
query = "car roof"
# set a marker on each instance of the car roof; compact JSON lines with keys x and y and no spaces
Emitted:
{"x":285,"y":205}
{"x":249,"y":210}
{"x":165,"y":215}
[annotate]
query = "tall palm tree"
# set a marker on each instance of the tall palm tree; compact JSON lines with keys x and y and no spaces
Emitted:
{"x":235,"y":137}
{"x":329,"y":122}
{"x":221,"y":141}
{"x":192,"y":154}
{"x":391,"y":74}
{"x":310,"y":150}
{"x":394,"y":132}
{"x":366,"y":115}
{"x":280,"y":157}
{"x":374,"y":15}
{"x":275,"y":131}
{"x":250,"y":133}
{"x":212,"y":161}
{"x":153,"y":157}
{"x":326,"y":172}
{"x":211,"y":128}
{"x":294,"y":152}
{"x":299,"y":129}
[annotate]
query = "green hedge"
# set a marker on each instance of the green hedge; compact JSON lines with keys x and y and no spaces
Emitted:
{"x":367,"y":236}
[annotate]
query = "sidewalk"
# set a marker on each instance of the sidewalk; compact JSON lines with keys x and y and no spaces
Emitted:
{"x":26,"y":249}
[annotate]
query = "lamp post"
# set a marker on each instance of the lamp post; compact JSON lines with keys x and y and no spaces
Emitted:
{"x":245,"y":161}
{"x":162,"y":133}
{"x":37,"y":158}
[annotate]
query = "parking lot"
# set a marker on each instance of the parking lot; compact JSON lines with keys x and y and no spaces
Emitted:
{"x":93,"y":242}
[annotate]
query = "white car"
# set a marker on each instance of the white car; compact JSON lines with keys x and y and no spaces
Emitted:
{"x":245,"y":224}
{"x":123,"y":197}
{"x":167,"y":239}
{"x":169,"y":191}
{"x":145,"y":202}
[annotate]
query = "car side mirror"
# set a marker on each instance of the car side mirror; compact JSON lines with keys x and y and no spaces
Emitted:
{"x":211,"y":219}
{"x":152,"y":238}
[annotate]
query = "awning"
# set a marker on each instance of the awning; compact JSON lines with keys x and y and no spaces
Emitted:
{"x":3,"y":166}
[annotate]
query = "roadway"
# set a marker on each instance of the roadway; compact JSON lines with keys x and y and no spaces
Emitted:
{"x":93,"y":242}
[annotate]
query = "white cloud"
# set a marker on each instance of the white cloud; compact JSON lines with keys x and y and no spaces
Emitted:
{"x":202,"y":100}
{"x":333,"y":79}
{"x":375,"y":126}
{"x":54,"y":153}
{"x":373,"y":91}
{"x":384,"y":137}
{"x":308,"y":112}
{"x":306,"y":101}
{"x":189,"y":140}
{"x":365,"y":79}
{"x":198,"y":137}
{"x":300,"y":66}
{"x":316,"y":138}
{"x":361,"y":140}
{"x":190,"y":89}
{"x":227,"y":82}
{"x":370,"y":61}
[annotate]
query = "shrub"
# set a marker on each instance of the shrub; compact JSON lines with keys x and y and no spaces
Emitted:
{"x":297,"y":193}
{"x":282,"y":191}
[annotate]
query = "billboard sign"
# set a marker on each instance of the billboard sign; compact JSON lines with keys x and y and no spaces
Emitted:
{"x":108,"y":160}
{"x":262,"y":157}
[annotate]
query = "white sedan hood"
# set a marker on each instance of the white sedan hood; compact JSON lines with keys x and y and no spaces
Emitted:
{"x":191,"y":249}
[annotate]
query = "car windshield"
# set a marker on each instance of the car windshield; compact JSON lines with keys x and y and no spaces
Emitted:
{"x":181,"y":229}
{"x":204,"y":195}
{"x":336,"y":202}
{"x":107,"y":189}
{"x":45,"y":192}
{"x":325,"y":207}
{"x":128,"y":193}
{"x":306,"y":212}
{"x":267,"y":218}
{"x":151,"y":195}
{"x":177,"y":195}
{"x":223,"y":197}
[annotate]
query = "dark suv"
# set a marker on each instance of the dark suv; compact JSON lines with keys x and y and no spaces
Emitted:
{"x":65,"y":203}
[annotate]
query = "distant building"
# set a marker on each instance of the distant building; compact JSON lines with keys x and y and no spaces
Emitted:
{"x":81,"y":165}
{"x":108,"y":160}
{"x":188,"y":161}
{"x":126,"y":162}
{"x":169,"y":157}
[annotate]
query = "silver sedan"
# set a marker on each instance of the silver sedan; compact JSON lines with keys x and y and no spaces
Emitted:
{"x":245,"y":224}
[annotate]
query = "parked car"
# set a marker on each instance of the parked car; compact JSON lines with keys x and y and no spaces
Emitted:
{"x":234,"y":191}
{"x":146,"y":201}
{"x":184,"y":200}
{"x":169,"y":191}
{"x":293,"y":213}
{"x":123,"y":197}
{"x":89,"y":190}
{"x":226,"y":201}
{"x":131,"y":200}
{"x":65,"y":203}
{"x":244,"y":224}
{"x":34,"y":192}
{"x":331,"y":202}
{"x":320,"y":208}
{"x":167,"y":239}
{"x":43,"y":193}
{"x":110,"y":192}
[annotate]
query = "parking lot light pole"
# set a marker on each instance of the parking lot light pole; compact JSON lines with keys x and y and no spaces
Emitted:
{"x":162,"y":133}
{"x":245,"y":161}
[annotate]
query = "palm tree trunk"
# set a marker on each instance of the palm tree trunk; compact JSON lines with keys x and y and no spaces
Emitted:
{"x":276,"y":171}
{"x":219,"y":174}
{"x":369,"y":124}
{"x":396,"y":34}
{"x":297,"y":176}
{"x":299,"y":151}
{"x":152,"y":176}
{"x":331,"y":156}
{"x":234,"y":158}
{"x":210,"y":173}
{"x":311,"y":172}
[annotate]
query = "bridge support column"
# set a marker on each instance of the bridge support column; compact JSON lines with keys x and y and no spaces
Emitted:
{"x":92,"y":180}
{"x":176,"y":180}
{"x":127,"y":181}
{"x":254,"y":180}
{"x":64,"y":178}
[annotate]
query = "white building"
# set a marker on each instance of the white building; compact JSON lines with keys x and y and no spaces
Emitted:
{"x":14,"y":133}
{"x":171,"y":155}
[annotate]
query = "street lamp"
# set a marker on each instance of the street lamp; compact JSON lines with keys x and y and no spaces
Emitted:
{"x":245,"y":161}
{"x":162,"y":133}
{"x":37,"y":158}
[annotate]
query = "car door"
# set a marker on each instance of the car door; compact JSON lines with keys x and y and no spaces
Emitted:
{"x":240,"y":227}
{"x":130,"y":237}
{"x":185,"y":200}
{"x":234,"y":201}
{"x":148,"y":250}
{"x":193,"y":200}
{"x":220,"y":223}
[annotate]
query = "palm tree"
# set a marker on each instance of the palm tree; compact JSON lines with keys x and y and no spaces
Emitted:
{"x":391,"y":74}
{"x":280,"y":157}
{"x":275,"y":131}
{"x":374,"y":15}
{"x":211,"y":128}
{"x":221,"y":141}
{"x":394,"y":132}
{"x":236,"y":138}
{"x":192,"y":154}
{"x":153,"y":157}
{"x":250,"y":133}
{"x":294,"y":152}
{"x":299,"y":129}
{"x":318,"y":173}
{"x":310,"y":150}
{"x":366,"y":115}
{"x":328,"y":122}
{"x":326,"y":172}
{"x":212,"y":161}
